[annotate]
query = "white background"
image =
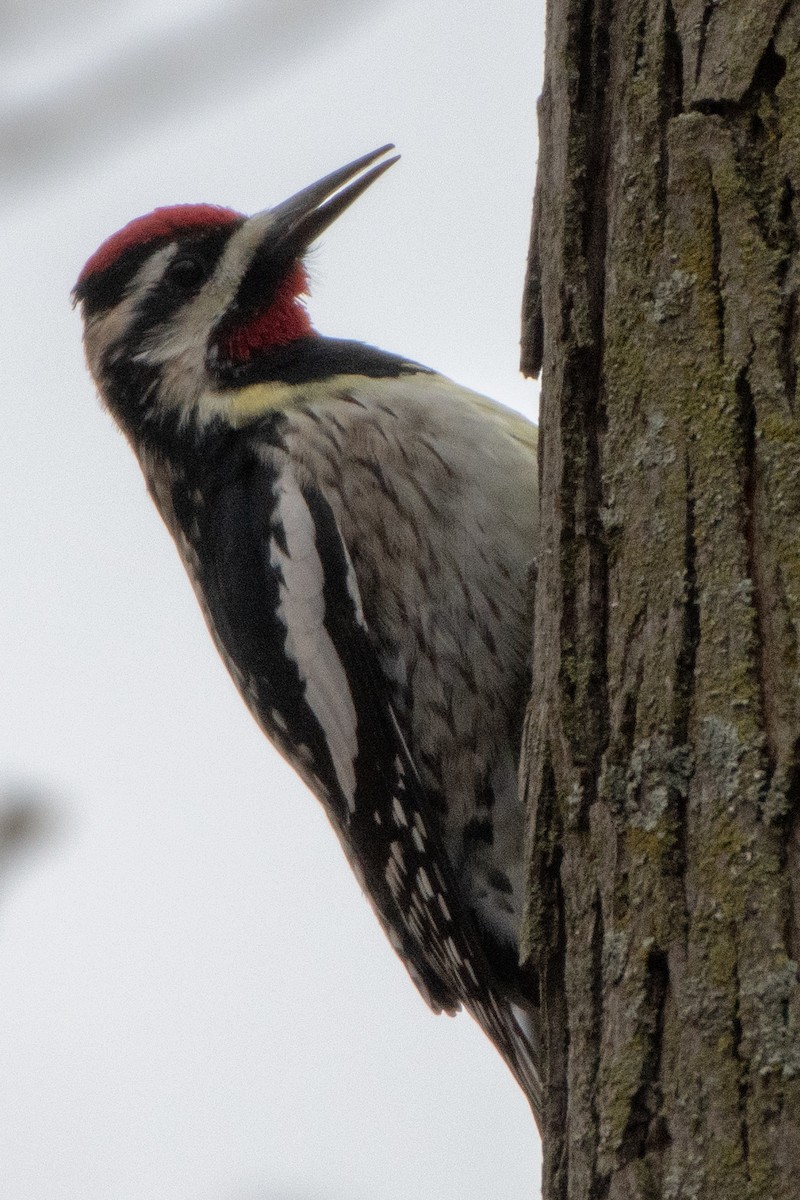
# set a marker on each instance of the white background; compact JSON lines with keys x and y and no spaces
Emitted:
{"x":196,"y":1001}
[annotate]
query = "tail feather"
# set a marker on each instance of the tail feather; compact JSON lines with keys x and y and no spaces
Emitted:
{"x":514,"y":1031}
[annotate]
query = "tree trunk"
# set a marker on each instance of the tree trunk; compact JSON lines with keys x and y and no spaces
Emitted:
{"x":663,"y":737}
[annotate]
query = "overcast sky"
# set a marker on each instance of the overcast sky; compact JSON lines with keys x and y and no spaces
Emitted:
{"x":197,"y":1003}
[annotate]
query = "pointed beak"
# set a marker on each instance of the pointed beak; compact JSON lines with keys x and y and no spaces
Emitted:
{"x":269,"y":242}
{"x":300,"y":220}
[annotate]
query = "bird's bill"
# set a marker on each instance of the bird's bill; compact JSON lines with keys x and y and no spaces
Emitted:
{"x":300,"y":220}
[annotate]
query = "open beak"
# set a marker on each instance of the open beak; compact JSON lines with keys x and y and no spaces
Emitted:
{"x":299,"y":221}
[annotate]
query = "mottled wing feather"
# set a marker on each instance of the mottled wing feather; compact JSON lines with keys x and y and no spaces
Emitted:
{"x":427,"y":907}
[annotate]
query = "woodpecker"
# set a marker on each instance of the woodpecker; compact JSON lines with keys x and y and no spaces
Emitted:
{"x":360,"y":533}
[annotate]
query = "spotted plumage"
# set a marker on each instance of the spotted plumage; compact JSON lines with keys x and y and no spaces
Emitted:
{"x":360,"y":533}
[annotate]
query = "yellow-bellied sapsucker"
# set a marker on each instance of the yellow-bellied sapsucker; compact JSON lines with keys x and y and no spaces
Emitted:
{"x":360,"y":533}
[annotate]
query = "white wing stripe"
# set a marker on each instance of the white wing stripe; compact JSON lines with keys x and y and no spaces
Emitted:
{"x":308,"y":643}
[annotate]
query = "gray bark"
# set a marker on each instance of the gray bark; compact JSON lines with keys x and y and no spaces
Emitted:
{"x":663,"y":736}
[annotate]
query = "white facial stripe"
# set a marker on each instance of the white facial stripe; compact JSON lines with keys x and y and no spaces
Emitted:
{"x":152,"y":269}
{"x":239,"y":253}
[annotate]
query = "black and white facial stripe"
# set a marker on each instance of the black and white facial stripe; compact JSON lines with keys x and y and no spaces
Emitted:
{"x":104,"y":290}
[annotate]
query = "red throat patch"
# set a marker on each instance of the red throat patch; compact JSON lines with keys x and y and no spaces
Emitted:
{"x":161,"y":223}
{"x":285,"y":320}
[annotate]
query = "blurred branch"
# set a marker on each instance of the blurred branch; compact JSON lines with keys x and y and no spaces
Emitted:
{"x":29,"y":820}
{"x":167,"y":73}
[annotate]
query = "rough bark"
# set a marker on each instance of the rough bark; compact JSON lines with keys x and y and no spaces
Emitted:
{"x":663,"y":737}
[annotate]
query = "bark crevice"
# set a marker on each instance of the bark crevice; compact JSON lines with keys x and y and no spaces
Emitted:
{"x":744,"y":1076}
{"x":705,"y":21}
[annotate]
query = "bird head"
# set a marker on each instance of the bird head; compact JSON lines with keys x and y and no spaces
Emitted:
{"x":179,"y":303}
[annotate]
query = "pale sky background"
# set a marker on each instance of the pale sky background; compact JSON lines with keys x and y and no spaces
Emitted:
{"x":197,"y":1003}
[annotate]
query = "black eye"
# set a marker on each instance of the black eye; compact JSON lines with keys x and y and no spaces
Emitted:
{"x":186,"y":273}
